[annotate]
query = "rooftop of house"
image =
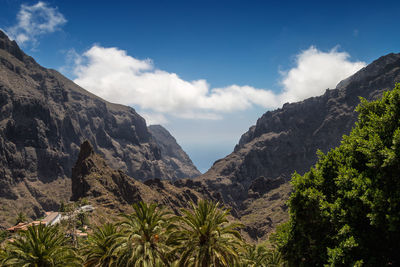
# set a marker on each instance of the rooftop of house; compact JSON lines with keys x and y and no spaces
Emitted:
{"x":23,"y":226}
{"x":51,"y":216}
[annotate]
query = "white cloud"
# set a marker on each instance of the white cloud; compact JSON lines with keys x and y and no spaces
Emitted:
{"x":35,"y":20}
{"x":118,"y":77}
{"x":114,"y":75}
{"x":316,"y":71}
{"x":154,"y":118}
{"x":72,"y":60}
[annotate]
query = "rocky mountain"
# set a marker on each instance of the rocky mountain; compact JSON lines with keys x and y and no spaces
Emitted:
{"x":45,"y":117}
{"x":115,"y":191}
{"x":43,"y":120}
{"x":254,"y":177}
{"x":172,"y":154}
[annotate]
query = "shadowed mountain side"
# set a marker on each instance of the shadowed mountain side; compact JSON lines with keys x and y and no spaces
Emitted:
{"x":172,"y":153}
{"x":43,"y":120}
{"x":286,"y":140}
{"x":115,"y":191}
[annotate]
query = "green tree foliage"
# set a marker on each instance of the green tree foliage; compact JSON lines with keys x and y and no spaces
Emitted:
{"x":260,"y":255}
{"x":207,"y":238}
{"x":346,"y":210}
{"x":3,"y":256}
{"x":253,"y":256}
{"x":100,"y":248}
{"x":83,"y":202}
{"x":21,"y":217}
{"x":3,"y":235}
{"x":62,"y":207}
{"x":150,"y":236}
{"x":82,"y":219}
{"x":41,"y":246}
{"x":275,"y":259}
{"x":144,"y":236}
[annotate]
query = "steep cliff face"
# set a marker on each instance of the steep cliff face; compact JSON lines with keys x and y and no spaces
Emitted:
{"x":43,"y":120}
{"x":286,"y":140}
{"x":172,"y":154}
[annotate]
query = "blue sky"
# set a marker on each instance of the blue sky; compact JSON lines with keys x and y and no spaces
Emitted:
{"x":206,"y":70}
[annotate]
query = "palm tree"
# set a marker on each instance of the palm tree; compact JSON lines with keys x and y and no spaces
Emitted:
{"x":41,"y":246}
{"x":207,"y":238}
{"x":3,"y":236}
{"x":3,"y":256}
{"x":21,"y":217}
{"x":145,"y":234}
{"x":100,"y":248}
{"x":275,"y":259}
{"x":254,"y":256}
{"x":260,"y":256}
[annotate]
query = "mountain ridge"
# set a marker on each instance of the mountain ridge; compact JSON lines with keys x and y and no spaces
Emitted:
{"x":43,"y":121}
{"x":45,"y":118}
{"x":286,"y":140}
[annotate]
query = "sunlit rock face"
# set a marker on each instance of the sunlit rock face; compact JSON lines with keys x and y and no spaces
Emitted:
{"x":44,"y":119}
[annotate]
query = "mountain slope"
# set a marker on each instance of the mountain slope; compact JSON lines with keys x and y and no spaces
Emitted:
{"x":115,"y":191}
{"x":286,"y":140}
{"x":172,"y":153}
{"x":44,"y":118}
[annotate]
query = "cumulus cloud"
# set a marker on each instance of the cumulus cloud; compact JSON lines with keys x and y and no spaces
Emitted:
{"x":154,"y":118}
{"x":35,"y":20}
{"x":118,"y":77}
{"x":316,"y":71}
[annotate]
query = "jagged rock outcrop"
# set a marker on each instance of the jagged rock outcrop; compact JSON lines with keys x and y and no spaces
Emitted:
{"x":43,"y":120}
{"x":286,"y":140}
{"x":172,"y":153}
{"x":113,"y":190}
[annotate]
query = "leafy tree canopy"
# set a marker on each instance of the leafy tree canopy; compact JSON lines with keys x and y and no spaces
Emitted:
{"x":206,"y":238}
{"x":40,"y":246}
{"x":346,"y":210}
{"x":144,"y":236}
